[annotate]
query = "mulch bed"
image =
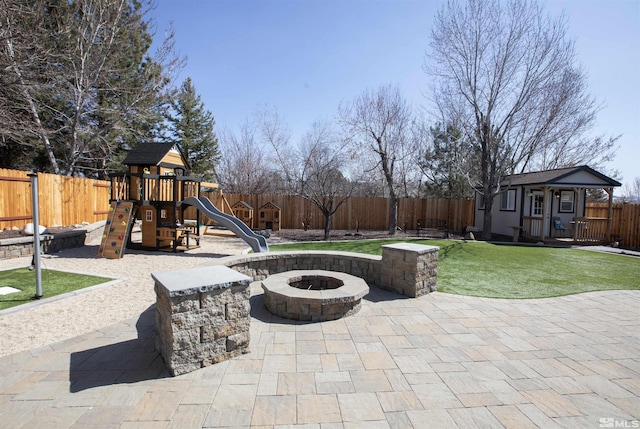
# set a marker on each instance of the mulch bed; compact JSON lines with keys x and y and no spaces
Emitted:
{"x":282,"y":235}
{"x":338,"y":235}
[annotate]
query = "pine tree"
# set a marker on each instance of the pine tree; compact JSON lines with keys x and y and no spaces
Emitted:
{"x":448,"y":163}
{"x":191,"y":125}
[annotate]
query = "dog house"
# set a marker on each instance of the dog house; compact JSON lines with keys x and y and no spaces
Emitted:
{"x":243,"y":211}
{"x":269,"y":216}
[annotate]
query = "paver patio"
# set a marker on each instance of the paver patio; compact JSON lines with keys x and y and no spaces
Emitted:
{"x":437,"y":361}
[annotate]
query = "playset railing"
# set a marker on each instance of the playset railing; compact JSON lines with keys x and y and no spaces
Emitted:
{"x":153,"y":187}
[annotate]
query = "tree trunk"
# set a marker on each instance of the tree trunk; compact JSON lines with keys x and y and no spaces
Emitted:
{"x":327,"y":225}
{"x":488,"y":219}
{"x":42,"y":134}
{"x":393,"y":213}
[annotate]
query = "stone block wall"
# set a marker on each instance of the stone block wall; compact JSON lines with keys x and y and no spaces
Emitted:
{"x":405,"y":268}
{"x":202,"y":317}
{"x":22,"y":246}
{"x":67,"y":240}
{"x":409,"y":269}
{"x":50,"y":243}
{"x":258,"y":266}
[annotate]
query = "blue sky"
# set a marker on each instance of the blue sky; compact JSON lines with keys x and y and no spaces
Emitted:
{"x":304,"y":57}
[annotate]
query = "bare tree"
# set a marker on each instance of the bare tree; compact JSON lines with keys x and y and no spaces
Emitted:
{"x":77,"y":78}
{"x":276,"y":135}
{"x":379,"y":121}
{"x":243,"y":166}
{"x":506,"y":72}
{"x":21,"y":32}
{"x":631,"y":191}
{"x":319,"y":173}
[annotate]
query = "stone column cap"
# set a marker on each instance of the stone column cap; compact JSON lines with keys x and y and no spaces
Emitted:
{"x":202,"y":279}
{"x":413,"y":247}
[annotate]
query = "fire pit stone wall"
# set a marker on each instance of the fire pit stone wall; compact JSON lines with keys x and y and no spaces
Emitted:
{"x":405,"y":268}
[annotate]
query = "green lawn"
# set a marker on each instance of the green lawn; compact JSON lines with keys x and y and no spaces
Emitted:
{"x":507,"y":271}
{"x":53,"y":283}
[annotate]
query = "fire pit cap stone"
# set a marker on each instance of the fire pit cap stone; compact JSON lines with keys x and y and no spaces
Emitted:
{"x":352,"y":288}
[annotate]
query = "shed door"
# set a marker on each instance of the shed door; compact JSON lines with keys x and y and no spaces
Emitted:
{"x":537,"y":200}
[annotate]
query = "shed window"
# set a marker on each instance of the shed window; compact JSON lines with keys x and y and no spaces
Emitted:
{"x":508,"y":200}
{"x":566,"y":201}
{"x":149,"y":215}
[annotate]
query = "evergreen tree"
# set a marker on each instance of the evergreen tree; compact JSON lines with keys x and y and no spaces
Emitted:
{"x":448,"y":163}
{"x":192,"y":126}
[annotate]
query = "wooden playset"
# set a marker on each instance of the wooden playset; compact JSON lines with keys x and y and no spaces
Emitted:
{"x":152,"y":192}
{"x":157,"y":193}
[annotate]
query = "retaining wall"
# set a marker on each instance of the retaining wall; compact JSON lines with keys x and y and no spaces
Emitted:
{"x":405,"y":268}
{"x":50,"y":243}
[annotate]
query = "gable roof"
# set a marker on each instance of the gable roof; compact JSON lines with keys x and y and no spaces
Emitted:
{"x":152,"y":154}
{"x":270,"y":205}
{"x":241,"y":204}
{"x":582,"y":175}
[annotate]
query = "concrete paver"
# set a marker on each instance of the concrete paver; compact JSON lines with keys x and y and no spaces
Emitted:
{"x":437,"y":361}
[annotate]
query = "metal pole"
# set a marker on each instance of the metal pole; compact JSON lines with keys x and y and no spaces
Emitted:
{"x":36,"y":233}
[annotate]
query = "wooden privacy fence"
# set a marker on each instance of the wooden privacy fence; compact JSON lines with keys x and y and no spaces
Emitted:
{"x":63,"y":200}
{"x":625,"y":221}
{"x":357,"y":212}
{"x":67,"y":200}
{"x":71,"y":200}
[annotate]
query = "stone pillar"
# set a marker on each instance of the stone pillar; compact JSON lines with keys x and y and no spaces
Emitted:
{"x":202,"y":316}
{"x":409,"y":269}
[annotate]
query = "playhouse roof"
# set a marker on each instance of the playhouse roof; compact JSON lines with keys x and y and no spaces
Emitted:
{"x":581,"y":175}
{"x":152,"y":154}
{"x":242,"y":204}
{"x":270,"y":205}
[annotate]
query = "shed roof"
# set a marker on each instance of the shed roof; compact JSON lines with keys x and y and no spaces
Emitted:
{"x":582,"y":175}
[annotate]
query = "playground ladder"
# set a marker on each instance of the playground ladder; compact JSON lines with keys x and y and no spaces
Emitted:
{"x":116,"y":230}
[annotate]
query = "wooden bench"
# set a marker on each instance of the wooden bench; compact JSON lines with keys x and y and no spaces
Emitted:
{"x":432,"y":224}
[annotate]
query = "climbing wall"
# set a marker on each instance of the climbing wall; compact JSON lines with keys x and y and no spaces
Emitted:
{"x":116,"y":230}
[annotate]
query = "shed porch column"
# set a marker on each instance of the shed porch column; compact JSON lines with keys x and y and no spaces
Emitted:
{"x":543,"y":225}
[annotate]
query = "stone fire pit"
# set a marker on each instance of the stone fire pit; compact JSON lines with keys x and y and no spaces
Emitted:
{"x":313,"y":295}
